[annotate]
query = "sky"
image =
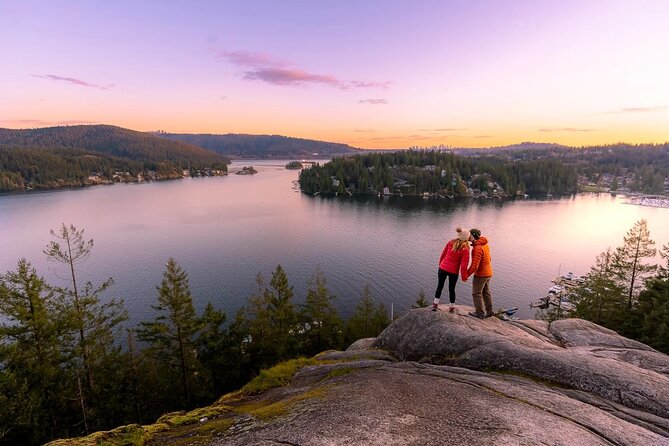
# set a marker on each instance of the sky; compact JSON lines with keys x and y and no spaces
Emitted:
{"x":372,"y":74}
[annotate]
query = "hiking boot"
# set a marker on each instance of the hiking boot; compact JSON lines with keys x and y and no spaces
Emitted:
{"x":434,"y":307}
{"x":477,"y":315}
{"x":490,"y":314}
{"x":451,"y":308}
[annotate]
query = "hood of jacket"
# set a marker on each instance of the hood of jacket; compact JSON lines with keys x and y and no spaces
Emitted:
{"x":481,"y":241}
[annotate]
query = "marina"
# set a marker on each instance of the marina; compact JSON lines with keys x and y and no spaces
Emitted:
{"x":560,"y":293}
{"x":656,"y":201}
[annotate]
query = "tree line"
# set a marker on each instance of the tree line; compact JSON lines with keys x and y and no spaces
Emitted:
{"x":506,"y":172}
{"x":66,"y":156}
{"x":626,"y":292}
{"x":418,"y":171}
{"x":69,"y":365}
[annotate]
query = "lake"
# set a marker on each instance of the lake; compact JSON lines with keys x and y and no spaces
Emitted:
{"x":224,"y":230}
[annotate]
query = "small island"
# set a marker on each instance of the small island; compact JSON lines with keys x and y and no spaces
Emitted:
{"x":294,"y":165}
{"x":246,"y":170}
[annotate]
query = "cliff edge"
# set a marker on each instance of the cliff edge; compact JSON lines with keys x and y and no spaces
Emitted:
{"x":439,"y":378}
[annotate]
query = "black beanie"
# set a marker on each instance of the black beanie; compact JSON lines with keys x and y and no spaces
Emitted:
{"x":476,"y":233}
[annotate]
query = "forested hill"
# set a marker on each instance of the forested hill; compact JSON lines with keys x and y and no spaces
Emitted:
{"x":78,"y":155}
{"x":262,"y":146}
{"x":502,"y":173}
{"x":115,"y":141}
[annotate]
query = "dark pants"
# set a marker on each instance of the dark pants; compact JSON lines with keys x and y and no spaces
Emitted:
{"x":452,"y":280}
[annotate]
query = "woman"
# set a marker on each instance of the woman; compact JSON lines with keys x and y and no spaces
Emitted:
{"x":454,"y":258}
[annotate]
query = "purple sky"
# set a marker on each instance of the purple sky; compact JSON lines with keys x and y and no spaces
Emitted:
{"x":367,"y":73}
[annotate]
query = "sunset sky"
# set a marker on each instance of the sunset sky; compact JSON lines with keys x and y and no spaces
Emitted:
{"x":373,"y":74}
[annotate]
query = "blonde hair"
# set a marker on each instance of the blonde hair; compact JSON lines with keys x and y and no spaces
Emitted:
{"x":459,"y":244}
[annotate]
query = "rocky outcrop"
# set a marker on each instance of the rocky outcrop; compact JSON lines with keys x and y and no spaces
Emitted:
{"x":571,"y":353}
{"x":436,"y":378}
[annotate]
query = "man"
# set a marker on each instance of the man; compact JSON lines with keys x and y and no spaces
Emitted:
{"x":481,"y":269}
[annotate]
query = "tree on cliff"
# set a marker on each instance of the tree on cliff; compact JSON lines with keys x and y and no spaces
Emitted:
{"x":171,"y":335}
{"x":602,"y":299}
{"x":368,"y":320}
{"x":627,"y":263}
{"x":95,"y":323}
{"x":649,"y":320}
{"x":322,"y":325}
{"x":282,"y":315}
{"x":421,"y":301}
{"x":94,"y":326}
{"x":32,"y":365}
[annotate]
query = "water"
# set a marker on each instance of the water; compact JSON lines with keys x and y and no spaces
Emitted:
{"x":225,"y":230}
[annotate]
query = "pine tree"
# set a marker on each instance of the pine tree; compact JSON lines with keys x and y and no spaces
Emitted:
{"x":650,"y":317}
{"x":627,"y":262}
{"x":172,"y":333}
{"x":32,"y":372}
{"x":361,"y":323}
{"x":95,"y":323}
{"x":214,"y":350}
{"x":421,"y":301}
{"x":601,"y":299}
{"x":323,"y":327}
{"x":251,"y":330}
{"x":282,"y":316}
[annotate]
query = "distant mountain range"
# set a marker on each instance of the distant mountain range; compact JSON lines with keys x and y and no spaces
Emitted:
{"x":262,"y":146}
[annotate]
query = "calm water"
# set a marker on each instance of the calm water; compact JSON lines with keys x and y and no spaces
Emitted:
{"x":225,"y":230}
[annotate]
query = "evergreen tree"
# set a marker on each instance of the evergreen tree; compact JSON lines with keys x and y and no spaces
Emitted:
{"x":421,"y":302}
{"x":649,"y":319}
{"x":214,"y":351}
{"x":601,"y":299}
{"x":323,"y":327}
{"x":94,"y":325}
{"x":32,"y":374}
{"x":664,"y":269}
{"x":171,"y":335}
{"x":628,"y":260}
{"x":94,"y":322}
{"x":369,"y":319}
{"x":282,"y":315}
{"x":251,"y":329}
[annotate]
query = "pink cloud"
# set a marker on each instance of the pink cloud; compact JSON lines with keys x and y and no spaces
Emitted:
{"x":373,"y":101}
{"x":263,"y":67}
{"x":250,"y":59}
{"x":72,"y":80}
{"x":284,"y":76}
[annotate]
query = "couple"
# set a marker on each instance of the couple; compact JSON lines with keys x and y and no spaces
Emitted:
{"x":454,"y":258}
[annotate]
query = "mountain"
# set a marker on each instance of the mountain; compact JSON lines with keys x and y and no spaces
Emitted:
{"x":261,"y":146}
{"x":87,"y":154}
{"x":435,"y":378}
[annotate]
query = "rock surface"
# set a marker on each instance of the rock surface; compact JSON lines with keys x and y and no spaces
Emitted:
{"x":439,"y":378}
{"x":464,"y":381}
{"x":572,"y":353}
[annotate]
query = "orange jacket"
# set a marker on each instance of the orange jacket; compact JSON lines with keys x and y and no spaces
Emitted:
{"x":481,"y":265}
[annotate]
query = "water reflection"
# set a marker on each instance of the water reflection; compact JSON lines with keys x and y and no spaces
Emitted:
{"x":225,"y":230}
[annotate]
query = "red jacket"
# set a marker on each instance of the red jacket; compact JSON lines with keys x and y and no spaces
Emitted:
{"x":452,"y":261}
{"x":481,"y":266}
